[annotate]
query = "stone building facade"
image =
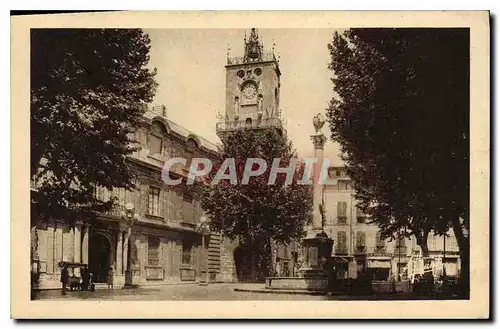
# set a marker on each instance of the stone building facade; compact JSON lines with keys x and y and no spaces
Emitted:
{"x":358,"y":246}
{"x":161,"y":241}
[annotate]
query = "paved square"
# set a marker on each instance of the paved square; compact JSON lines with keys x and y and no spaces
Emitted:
{"x":187,"y":292}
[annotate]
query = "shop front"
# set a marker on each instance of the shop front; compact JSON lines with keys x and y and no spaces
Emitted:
{"x":379,"y":268}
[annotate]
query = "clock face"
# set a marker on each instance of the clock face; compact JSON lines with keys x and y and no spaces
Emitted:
{"x":249,"y":90}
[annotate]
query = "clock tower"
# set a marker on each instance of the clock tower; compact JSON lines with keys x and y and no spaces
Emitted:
{"x":252,"y":90}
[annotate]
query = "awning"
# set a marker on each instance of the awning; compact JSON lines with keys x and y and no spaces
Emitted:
{"x":379,"y":263}
{"x":341,"y":259}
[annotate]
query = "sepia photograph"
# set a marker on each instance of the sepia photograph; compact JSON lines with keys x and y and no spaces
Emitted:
{"x":254,"y":164}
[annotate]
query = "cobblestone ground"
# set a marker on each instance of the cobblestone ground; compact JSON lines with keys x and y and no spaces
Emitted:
{"x":221,"y":292}
{"x":216,"y":292}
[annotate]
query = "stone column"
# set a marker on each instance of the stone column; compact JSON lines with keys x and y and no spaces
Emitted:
{"x":119,"y":252}
{"x":128,"y":231}
{"x":319,"y":144}
{"x":85,"y":245}
{"x":77,"y":246}
{"x":58,"y":245}
{"x":316,"y":245}
{"x":50,"y":247}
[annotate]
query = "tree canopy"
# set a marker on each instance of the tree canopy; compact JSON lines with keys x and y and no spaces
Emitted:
{"x":401,"y":117}
{"x":89,"y":89}
{"x":258,"y":209}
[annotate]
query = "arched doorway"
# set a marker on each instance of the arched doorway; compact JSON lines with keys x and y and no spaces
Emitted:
{"x":239,"y":262}
{"x":100,"y":256}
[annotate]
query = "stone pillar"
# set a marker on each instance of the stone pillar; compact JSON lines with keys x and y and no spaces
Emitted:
{"x":77,"y":246}
{"x":128,"y":231}
{"x":50,"y":247}
{"x":85,"y":245}
{"x":58,"y":245}
{"x":119,"y":252}
{"x":319,"y":144}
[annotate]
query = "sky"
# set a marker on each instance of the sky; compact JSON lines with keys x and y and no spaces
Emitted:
{"x":191,"y":77}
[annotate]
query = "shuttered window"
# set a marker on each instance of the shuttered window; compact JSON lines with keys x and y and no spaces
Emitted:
{"x":360,"y":239}
{"x":188,"y":209}
{"x":342,"y":212}
{"x":154,"y":201}
{"x":360,"y":216}
{"x":186,"y":252}
{"x":341,"y":242}
{"x":153,"y":251}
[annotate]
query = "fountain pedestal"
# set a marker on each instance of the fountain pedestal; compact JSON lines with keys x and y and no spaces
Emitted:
{"x":312,"y":276}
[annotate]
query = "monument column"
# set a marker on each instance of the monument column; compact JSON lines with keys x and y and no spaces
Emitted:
{"x":85,"y":244}
{"x":319,"y":144}
{"x":119,"y":252}
{"x":77,"y":246}
{"x":317,"y":246}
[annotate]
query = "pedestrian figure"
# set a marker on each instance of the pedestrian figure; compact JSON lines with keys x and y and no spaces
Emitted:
{"x":85,"y":278}
{"x":111,"y":273}
{"x":278,"y":269}
{"x":64,"y":278}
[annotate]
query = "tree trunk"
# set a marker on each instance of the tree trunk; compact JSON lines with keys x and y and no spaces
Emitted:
{"x":253,"y":262}
{"x":464,"y":249}
{"x":422,"y":242}
{"x":272,"y":267}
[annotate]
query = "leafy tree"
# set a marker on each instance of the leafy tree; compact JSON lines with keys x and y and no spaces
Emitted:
{"x":89,"y":89}
{"x":257,"y":214}
{"x":401,"y":116}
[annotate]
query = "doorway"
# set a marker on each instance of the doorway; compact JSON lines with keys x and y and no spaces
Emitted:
{"x":99,"y":256}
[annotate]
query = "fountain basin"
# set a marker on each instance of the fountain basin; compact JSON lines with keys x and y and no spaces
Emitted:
{"x":308,"y":283}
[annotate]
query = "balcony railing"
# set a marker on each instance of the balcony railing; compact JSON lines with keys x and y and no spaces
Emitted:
{"x":380,"y":251}
{"x":254,"y":124}
{"x":266,"y":57}
{"x":360,"y":250}
{"x":341,"y":250}
{"x":116,"y":210}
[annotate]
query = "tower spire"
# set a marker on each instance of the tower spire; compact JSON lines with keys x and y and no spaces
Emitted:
{"x":253,"y":47}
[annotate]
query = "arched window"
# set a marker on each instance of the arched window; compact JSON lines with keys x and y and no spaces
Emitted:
{"x":158,"y":127}
{"x":248,"y":122}
{"x":156,"y":136}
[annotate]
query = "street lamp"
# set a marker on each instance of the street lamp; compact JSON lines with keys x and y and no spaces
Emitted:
{"x":204,"y":229}
{"x":130,"y":217}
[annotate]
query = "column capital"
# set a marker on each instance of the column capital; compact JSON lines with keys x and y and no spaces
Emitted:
{"x":124,"y":227}
{"x":319,"y":141}
{"x":79,"y":223}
